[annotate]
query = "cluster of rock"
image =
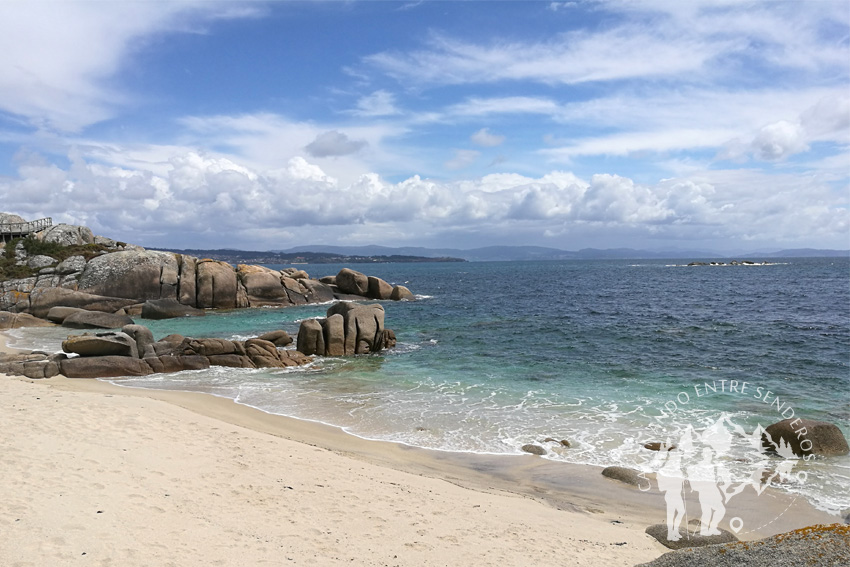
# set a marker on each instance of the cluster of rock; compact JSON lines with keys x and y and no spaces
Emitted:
{"x":731,"y":263}
{"x":349,"y":328}
{"x":36,"y":364}
{"x":132,"y":351}
{"x":149,"y":275}
{"x":127,"y":272}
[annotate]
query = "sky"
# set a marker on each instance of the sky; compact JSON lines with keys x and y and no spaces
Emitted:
{"x":659,"y":124}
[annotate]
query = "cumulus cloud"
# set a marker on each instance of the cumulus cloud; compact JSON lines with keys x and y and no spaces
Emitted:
{"x":334,"y":143}
{"x":778,"y":141}
{"x":206,"y":200}
{"x":828,"y":119}
{"x":487,"y":139}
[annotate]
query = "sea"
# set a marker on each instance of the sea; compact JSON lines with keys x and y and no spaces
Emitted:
{"x":606,"y":355}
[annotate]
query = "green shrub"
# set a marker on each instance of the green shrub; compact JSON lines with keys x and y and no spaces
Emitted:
{"x":36,"y":247}
{"x":8,"y":269}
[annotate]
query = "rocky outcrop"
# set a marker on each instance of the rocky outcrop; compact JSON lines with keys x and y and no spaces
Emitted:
{"x":42,"y":300}
{"x":126,"y":275}
{"x":217,"y":285}
{"x":68,"y":235}
{"x":349,"y":328}
{"x":133,"y":352}
{"x":9,"y":218}
{"x":806,"y":437}
{"x":132,"y":274}
{"x":354,"y":283}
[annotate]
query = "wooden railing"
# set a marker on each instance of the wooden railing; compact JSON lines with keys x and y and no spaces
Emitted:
{"x":18,"y":229}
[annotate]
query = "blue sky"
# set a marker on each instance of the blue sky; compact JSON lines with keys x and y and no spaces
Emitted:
{"x":716,"y":125}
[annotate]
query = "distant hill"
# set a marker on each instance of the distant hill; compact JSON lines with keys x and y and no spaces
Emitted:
{"x":513,"y":253}
{"x":305,"y":257}
{"x":324,"y":254}
{"x":802,"y":253}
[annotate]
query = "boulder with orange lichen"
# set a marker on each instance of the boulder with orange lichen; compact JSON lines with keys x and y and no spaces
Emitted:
{"x":814,"y":546}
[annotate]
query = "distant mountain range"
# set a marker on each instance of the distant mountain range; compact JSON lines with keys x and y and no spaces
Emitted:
{"x":509,"y":253}
{"x":322,"y":254}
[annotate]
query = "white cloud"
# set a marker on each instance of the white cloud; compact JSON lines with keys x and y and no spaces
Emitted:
{"x":478,"y":106}
{"x":334,"y":143}
{"x":263,"y":140}
{"x":779,"y":140}
{"x":487,"y":139}
{"x":555,"y":6}
{"x":828,"y":119}
{"x":576,"y":57}
{"x":639,"y":40}
{"x":56,"y":58}
{"x":379,"y":103}
{"x":211,"y":201}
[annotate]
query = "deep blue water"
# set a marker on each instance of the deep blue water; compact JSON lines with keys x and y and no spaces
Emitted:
{"x":495,"y":355}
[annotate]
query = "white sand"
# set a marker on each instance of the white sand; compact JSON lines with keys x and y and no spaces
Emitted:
{"x":92,"y":478}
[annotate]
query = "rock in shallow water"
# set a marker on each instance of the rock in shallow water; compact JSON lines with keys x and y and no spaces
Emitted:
{"x":806,"y":437}
{"x":534,"y":449}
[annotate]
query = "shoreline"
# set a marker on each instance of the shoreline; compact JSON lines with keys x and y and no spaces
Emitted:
{"x":553,"y":502}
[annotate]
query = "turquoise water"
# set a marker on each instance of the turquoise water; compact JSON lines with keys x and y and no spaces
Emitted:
{"x":496,"y":355}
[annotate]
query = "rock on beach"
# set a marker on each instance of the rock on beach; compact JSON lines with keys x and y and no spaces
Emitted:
{"x":814,"y":546}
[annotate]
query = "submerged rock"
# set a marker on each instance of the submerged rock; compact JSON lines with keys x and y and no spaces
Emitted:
{"x":658,"y":446}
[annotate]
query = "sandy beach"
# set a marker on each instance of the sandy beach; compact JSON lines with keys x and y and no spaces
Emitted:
{"x":96,"y":474}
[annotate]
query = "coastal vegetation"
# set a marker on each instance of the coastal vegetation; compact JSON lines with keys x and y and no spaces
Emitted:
{"x":11,"y":268}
